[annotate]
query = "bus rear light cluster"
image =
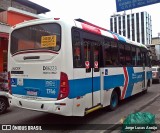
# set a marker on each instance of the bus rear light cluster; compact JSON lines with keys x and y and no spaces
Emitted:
{"x":64,"y":86}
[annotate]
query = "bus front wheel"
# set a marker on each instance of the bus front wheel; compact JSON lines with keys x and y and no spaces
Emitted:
{"x":113,"y":101}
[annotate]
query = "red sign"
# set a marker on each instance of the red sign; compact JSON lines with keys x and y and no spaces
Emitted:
{"x":96,"y":64}
{"x":87,"y":64}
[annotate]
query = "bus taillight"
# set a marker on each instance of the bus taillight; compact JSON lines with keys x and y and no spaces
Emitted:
{"x":9,"y":82}
{"x":64,"y":86}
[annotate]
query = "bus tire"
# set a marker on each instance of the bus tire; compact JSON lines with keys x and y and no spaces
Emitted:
{"x":113,"y":101}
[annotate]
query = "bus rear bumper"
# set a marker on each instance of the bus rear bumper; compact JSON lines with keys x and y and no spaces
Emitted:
{"x":61,"y":107}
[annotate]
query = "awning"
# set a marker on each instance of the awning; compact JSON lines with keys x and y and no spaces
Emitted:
{"x":4,"y":35}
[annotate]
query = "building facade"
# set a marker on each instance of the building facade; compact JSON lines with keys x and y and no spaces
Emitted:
{"x":156,"y":43}
{"x":135,"y":26}
{"x":155,"y":50}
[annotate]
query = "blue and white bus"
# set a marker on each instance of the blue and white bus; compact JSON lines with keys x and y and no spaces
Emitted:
{"x":73,"y":67}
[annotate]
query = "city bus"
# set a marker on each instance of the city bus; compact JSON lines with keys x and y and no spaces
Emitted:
{"x":73,"y":67}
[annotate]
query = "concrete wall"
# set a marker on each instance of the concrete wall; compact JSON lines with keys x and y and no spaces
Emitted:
{"x":4,"y":4}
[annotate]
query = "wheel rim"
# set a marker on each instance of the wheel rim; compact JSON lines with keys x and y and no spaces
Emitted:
{"x":114,"y":100}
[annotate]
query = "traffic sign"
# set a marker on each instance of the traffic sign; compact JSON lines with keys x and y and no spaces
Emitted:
{"x":123,"y":5}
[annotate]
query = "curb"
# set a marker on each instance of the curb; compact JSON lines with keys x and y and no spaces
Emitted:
{"x":117,"y":124}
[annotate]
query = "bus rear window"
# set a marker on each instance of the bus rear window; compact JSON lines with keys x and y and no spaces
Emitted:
{"x":42,"y":36}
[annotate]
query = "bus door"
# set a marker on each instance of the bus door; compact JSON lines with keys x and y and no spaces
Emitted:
{"x":92,"y":66}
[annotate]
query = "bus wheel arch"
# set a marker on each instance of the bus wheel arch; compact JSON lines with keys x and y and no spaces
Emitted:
{"x":115,"y":98}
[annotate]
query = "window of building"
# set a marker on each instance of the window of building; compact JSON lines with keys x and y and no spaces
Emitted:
{"x":138,"y":32}
{"x":128,"y":26}
{"x":111,"y":24}
{"x":124,"y":26}
{"x":119,"y":20}
{"x":133,"y":28}
{"x":142,"y":26}
{"x":115,"y":24}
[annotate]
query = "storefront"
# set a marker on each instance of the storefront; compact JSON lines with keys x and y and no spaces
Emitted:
{"x":4,"y":35}
{"x":13,"y":12}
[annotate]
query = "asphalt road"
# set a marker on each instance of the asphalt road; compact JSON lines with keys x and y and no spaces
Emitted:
{"x":99,"y":120}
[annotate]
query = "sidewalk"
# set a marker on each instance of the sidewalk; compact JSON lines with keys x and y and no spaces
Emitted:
{"x":152,"y":106}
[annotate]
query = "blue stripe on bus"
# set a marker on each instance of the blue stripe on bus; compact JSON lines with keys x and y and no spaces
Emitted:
{"x":44,"y":88}
{"x":131,"y":82}
{"x":133,"y":78}
{"x":113,"y":81}
{"x":78,"y":87}
{"x":118,"y":36}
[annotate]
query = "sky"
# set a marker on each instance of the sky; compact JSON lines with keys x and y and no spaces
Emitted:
{"x":95,"y":11}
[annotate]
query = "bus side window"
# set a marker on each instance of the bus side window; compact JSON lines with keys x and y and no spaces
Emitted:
{"x":96,"y":55}
{"x":77,"y":58}
{"x":148,"y":59}
{"x":138,"y":54}
{"x":87,"y":53}
{"x":114,"y":53}
{"x":121,"y":54}
{"x":143,"y":56}
{"x":134,"y":56}
{"x":107,"y":53}
{"x":128,"y":55}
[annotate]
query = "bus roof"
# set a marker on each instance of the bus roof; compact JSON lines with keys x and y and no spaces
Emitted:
{"x":85,"y":25}
{"x":102,"y":31}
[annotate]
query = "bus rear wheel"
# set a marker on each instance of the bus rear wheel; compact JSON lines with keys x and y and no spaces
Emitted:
{"x":113,"y":101}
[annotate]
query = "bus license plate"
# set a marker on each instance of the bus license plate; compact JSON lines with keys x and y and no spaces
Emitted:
{"x":32,"y":93}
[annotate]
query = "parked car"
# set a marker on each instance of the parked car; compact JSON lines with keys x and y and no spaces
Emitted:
{"x":4,"y":103}
{"x":156,"y":73}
